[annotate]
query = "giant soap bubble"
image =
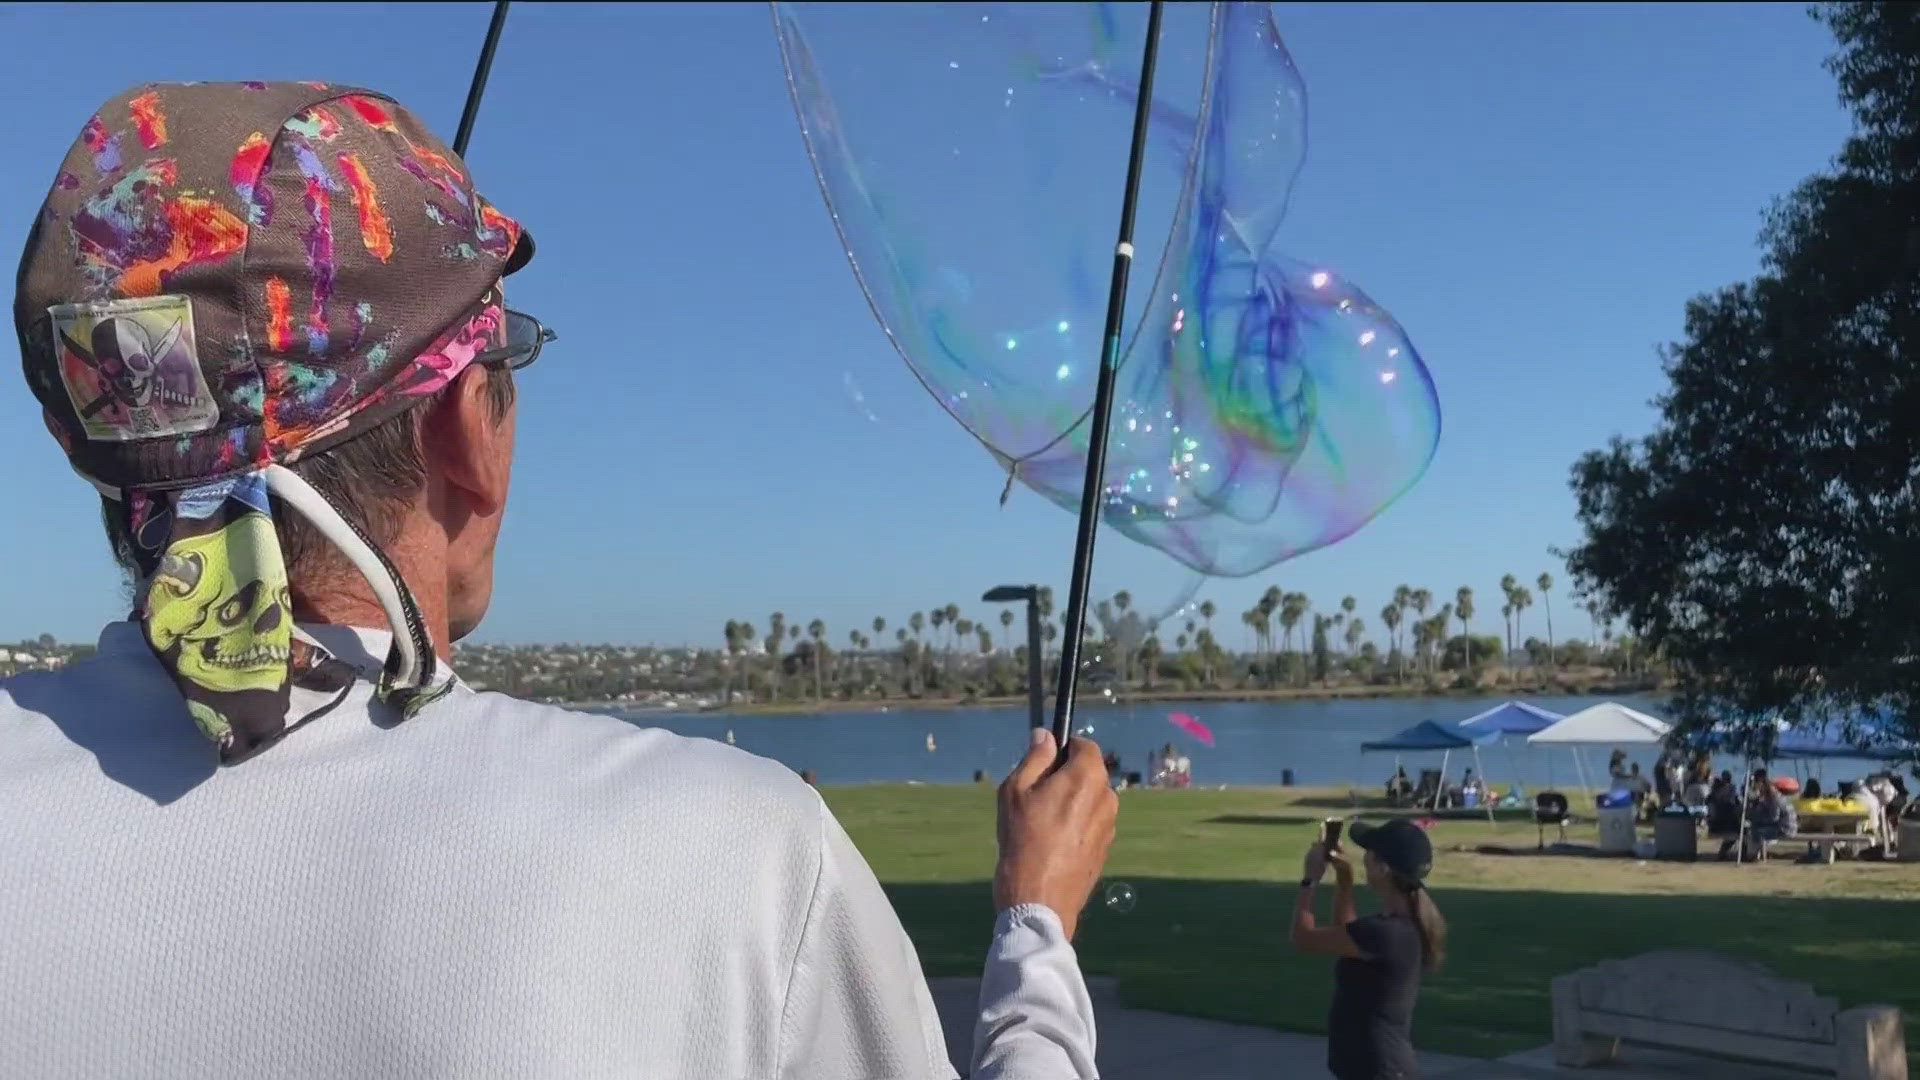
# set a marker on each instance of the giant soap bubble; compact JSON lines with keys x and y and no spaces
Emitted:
{"x":972,"y":157}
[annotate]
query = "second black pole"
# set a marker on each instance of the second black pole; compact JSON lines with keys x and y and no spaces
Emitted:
{"x":472,"y":110}
{"x":1093,"y":494}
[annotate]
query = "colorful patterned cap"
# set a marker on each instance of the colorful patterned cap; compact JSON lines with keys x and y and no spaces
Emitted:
{"x":230,"y":274}
{"x":227,"y":276}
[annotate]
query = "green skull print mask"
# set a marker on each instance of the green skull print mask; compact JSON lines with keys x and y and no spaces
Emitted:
{"x":219,"y":609}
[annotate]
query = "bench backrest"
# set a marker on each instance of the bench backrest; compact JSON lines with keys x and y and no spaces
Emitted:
{"x":1705,"y":990}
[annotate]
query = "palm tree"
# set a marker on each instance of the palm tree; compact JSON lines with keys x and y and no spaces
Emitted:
{"x":1522,"y":600}
{"x":1293,"y":608}
{"x":906,"y":659}
{"x":733,"y":652}
{"x":964,"y":628}
{"x":1390,"y":618}
{"x":1545,"y":583}
{"x":1149,"y":658}
{"x":1463,"y":610}
{"x":1270,"y":602}
{"x":1006,"y":622}
{"x":1506,"y":615}
{"x":879,"y":625}
{"x":776,"y":634}
{"x":1419,"y":599}
{"x":1355,"y":628}
{"x":1507,"y":584}
{"x":917,"y":622}
{"x":817,"y":630}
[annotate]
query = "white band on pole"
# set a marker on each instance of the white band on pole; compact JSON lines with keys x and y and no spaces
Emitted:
{"x":1125,"y":251}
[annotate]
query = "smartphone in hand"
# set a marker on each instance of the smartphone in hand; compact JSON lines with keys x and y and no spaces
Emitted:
{"x":1330,"y":833}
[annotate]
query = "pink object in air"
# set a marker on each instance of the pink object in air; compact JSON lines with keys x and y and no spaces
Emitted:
{"x":1192,"y":727}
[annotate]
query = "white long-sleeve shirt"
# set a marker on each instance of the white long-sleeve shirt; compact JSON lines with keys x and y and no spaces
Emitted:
{"x":490,"y":889}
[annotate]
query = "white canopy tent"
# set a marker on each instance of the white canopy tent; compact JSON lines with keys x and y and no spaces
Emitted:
{"x":1606,"y":724}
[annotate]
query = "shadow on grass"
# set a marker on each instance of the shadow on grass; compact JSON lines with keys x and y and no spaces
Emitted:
{"x":1287,"y":817}
{"x":1218,"y":949}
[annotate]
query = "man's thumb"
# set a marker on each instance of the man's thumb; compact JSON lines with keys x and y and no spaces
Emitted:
{"x":1041,"y":753}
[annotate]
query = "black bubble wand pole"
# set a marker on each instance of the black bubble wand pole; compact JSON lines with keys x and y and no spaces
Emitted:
{"x":1092,"y":494}
{"x":472,"y":111}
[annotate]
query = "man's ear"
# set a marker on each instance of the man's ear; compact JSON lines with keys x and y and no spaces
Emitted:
{"x":462,"y":432}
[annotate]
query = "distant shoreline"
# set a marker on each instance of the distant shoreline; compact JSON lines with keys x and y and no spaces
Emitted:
{"x":1311,"y":693}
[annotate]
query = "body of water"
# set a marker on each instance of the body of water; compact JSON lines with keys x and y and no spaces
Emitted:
{"x":1255,"y":741}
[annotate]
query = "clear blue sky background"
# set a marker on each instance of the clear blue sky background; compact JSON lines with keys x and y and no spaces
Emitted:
{"x":1558,"y":181}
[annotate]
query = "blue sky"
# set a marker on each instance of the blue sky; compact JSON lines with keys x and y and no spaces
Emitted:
{"x":1533,"y":191}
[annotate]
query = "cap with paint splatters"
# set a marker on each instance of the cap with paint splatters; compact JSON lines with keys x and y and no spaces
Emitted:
{"x":228,"y":274}
{"x":223,"y":278}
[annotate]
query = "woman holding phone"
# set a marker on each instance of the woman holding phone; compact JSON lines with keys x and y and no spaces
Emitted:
{"x":1382,"y":957}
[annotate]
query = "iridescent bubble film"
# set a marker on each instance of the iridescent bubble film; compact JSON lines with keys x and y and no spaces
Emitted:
{"x":972,"y":158}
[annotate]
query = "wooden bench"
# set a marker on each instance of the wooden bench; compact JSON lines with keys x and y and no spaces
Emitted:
{"x":1709,"y":1004}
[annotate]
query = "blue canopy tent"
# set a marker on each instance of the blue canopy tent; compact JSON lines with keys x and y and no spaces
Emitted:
{"x":1514,"y":718}
{"x":1864,"y":739}
{"x":1430,"y":735}
{"x":1829,"y":739}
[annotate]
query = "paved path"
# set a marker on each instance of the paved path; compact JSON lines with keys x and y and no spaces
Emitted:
{"x":1138,"y":1044}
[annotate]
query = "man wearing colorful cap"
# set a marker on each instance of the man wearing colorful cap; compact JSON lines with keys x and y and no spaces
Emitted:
{"x":267,"y":831}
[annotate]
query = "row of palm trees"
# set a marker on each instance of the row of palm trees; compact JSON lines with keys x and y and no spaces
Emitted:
{"x":927,"y":645}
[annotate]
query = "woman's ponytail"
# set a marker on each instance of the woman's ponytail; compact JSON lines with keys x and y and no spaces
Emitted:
{"x":1428,"y":920}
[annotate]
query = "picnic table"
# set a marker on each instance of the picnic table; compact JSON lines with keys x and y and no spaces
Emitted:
{"x":1827,"y":828}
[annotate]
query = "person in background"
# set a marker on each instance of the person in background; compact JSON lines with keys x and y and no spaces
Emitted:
{"x":1897,"y":805}
{"x":1812,"y":790}
{"x":1886,"y":788}
{"x":1617,"y":769}
{"x":1765,"y":821}
{"x":1638,"y":784}
{"x":274,"y":833}
{"x":1399,"y":788}
{"x":1699,"y":779}
{"x":1380,"y":958}
{"x":1664,"y":788}
{"x":1180,"y":773}
{"x":1723,"y":812}
{"x":1861,"y":794}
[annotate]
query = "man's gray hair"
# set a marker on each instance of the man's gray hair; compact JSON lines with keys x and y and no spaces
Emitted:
{"x":369,"y":479}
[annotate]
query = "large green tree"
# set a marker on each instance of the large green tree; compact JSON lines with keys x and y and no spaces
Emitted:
{"x":1765,"y":537}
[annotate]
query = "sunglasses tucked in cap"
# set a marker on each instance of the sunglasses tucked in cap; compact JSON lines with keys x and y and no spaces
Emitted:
{"x":225,"y":277}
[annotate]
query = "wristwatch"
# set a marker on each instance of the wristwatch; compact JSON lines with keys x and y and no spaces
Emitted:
{"x":1307,"y":883}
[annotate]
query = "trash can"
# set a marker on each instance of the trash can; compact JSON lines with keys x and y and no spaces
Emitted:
{"x":1674,"y":835}
{"x":1617,"y":832}
{"x":1910,"y":839}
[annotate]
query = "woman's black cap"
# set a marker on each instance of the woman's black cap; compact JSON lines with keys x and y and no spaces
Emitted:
{"x":1400,"y":844}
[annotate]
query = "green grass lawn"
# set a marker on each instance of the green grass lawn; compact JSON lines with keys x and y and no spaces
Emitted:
{"x":1213,"y":875}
